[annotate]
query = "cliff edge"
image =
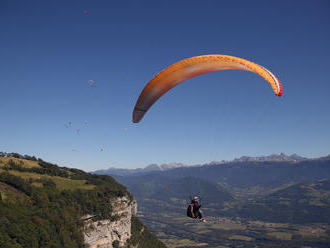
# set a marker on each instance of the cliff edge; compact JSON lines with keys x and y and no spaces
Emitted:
{"x":44,"y":205}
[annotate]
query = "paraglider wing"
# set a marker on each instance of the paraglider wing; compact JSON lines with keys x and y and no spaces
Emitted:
{"x":191,"y":67}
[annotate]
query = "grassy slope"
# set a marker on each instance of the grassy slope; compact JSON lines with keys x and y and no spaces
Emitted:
{"x":26,"y":163}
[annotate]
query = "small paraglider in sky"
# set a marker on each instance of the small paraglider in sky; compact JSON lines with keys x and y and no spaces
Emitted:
{"x":91,"y":83}
{"x":68,"y":124}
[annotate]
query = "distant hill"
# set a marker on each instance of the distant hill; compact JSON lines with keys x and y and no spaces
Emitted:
{"x":161,"y":195}
{"x":299,"y":203}
{"x":163,"y":189}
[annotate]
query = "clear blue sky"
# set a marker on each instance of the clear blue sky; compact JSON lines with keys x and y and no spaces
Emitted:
{"x":50,"y":49}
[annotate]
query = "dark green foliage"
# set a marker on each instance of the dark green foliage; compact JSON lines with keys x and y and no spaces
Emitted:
{"x":115,"y":244}
{"x":27,"y":157}
{"x":142,"y":237}
{"x":50,"y":169}
{"x":15,"y":155}
{"x":16,"y":182}
{"x":40,"y":225}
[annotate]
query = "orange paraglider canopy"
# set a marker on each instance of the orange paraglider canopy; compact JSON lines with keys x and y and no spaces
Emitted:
{"x":191,"y":67}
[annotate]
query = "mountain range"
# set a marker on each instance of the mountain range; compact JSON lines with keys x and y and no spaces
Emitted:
{"x":147,"y":169}
{"x":164,"y":167}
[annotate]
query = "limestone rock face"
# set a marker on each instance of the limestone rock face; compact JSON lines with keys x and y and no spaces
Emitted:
{"x":102,"y":233}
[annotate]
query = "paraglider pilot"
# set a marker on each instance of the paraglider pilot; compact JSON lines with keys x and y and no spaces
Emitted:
{"x":194,"y":211}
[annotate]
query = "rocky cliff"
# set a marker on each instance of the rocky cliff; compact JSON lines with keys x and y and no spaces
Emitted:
{"x":114,"y":231}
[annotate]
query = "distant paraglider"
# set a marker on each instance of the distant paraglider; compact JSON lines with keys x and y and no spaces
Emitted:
{"x":67,"y":125}
{"x":91,"y":83}
{"x":191,"y":67}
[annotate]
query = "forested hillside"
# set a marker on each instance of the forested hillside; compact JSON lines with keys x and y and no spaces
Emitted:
{"x":41,"y":204}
